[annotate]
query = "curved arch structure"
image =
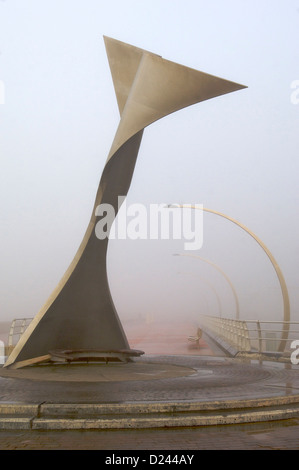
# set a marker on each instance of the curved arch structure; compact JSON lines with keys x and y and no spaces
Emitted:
{"x":225,"y":277}
{"x":280,"y":277}
{"x":80,"y":313}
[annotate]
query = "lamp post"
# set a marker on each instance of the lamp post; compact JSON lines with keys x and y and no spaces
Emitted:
{"x":283,"y":286}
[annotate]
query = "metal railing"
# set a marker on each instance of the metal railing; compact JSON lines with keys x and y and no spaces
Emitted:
{"x":251,"y":335}
{"x":17,"y":328}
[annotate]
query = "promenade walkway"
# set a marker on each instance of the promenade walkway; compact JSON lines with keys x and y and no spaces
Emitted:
{"x":167,"y":337}
{"x":170,"y":398}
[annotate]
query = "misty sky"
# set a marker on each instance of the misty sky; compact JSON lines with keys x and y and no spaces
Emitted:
{"x":237,"y":154}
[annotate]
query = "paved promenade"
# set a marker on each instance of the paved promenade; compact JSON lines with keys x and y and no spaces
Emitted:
{"x":282,"y":435}
{"x":170,"y":399}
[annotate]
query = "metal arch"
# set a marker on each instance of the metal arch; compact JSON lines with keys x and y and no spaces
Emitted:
{"x":226,"y":278}
{"x":283,"y":286}
{"x":210,"y":285}
{"x":80,"y":313}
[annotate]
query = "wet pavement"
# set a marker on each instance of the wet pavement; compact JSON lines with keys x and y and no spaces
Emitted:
{"x":172,"y":371}
{"x":277,"y":435}
{"x":205,"y":378}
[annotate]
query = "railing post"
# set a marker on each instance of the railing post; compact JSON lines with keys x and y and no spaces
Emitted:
{"x":259,"y":335}
{"x":10,"y":343}
{"x":247,"y":344}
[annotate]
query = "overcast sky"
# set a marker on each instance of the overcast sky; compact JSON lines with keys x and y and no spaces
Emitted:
{"x":237,"y":154}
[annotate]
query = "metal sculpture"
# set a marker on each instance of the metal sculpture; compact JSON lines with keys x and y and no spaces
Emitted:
{"x":280,"y":277}
{"x":80,"y":314}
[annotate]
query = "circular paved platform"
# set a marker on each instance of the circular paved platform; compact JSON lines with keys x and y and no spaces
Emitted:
{"x":153,"y":391}
{"x":151,"y":378}
{"x":98,"y":372}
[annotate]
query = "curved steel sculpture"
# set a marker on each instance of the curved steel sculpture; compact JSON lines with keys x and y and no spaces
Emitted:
{"x":280,"y":277}
{"x":80,"y":313}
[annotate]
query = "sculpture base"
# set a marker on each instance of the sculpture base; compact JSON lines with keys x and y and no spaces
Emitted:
{"x":79,"y":355}
{"x":93,"y":355}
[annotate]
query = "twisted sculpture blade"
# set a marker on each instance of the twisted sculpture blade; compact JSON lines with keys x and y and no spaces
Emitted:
{"x":80,"y":313}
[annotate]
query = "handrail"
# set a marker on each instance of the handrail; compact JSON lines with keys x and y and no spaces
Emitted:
{"x":240,"y":334}
{"x":17,"y":328}
{"x":244,"y":337}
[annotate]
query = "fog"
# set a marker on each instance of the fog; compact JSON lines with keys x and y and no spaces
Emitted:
{"x":237,"y":154}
